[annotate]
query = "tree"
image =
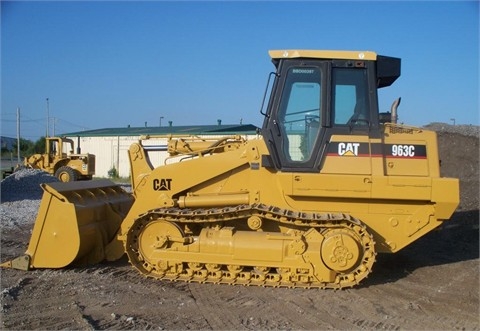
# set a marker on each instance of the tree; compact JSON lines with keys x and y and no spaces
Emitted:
{"x":39,"y":146}
{"x":26,"y":146}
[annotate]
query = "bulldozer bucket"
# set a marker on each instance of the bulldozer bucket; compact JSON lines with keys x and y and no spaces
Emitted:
{"x":75,"y":223}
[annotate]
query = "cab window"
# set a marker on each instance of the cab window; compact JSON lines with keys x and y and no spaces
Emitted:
{"x":350,"y":101}
{"x":300,"y":112}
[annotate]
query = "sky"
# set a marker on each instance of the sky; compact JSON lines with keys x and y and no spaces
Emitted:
{"x":112,"y":64}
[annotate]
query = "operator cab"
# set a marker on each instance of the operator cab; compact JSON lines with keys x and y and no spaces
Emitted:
{"x":320,"y":93}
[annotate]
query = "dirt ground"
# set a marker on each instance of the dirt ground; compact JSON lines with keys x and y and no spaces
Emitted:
{"x":432,"y":284}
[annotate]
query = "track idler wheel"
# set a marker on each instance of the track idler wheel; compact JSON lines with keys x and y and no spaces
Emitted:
{"x":350,"y":252}
{"x":340,"y":250}
{"x":145,"y":238}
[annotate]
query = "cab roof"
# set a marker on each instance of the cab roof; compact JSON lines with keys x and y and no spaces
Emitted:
{"x":323,"y":54}
{"x":387,"y":68}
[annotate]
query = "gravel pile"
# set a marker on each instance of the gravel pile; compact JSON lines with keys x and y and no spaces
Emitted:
{"x":20,"y":214}
{"x":20,"y":197}
{"x":24,"y":184}
{"x":465,"y":130}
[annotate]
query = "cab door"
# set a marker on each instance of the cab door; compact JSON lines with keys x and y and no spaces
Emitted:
{"x":293,"y":127}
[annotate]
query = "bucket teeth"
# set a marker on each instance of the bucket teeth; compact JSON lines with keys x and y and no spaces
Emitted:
{"x":22,"y":263}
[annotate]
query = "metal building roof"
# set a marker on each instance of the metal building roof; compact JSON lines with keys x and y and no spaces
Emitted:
{"x":167,"y":130}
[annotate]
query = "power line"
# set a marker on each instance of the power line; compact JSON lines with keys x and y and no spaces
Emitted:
{"x":73,"y":124}
{"x":29,"y":125}
{"x":23,"y":121}
{"x":41,"y":121}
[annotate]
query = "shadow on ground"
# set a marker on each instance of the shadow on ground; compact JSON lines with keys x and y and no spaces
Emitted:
{"x":457,"y":240}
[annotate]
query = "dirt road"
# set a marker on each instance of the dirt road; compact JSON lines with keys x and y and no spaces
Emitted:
{"x":431,"y":285}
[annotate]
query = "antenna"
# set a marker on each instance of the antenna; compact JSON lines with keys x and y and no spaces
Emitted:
{"x":48,"y":119}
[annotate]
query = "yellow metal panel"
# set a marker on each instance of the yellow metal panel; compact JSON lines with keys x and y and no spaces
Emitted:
{"x":341,"y":186}
{"x":403,"y":188}
{"x":406,"y":167}
{"x":398,"y":225}
{"x":446,"y":195}
{"x":350,"y":165}
{"x":323,"y":54}
{"x":349,"y":155}
{"x":55,"y":241}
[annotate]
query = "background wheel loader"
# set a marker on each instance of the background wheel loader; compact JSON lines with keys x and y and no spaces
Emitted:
{"x":60,"y":160}
{"x":329,"y":183}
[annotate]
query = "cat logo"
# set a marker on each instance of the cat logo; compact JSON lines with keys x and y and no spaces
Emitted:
{"x":163,"y":184}
{"x":348,"y":149}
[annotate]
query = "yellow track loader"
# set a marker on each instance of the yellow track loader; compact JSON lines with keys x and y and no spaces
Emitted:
{"x":328,"y":184}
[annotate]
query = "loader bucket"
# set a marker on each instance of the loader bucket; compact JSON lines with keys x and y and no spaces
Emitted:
{"x":75,"y":223}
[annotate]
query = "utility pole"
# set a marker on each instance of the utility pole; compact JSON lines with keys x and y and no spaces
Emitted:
{"x":18,"y":135}
{"x":48,"y":119}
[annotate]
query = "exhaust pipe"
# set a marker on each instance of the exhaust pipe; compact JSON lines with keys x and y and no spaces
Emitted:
{"x":393,"y":110}
{"x":79,"y":150}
